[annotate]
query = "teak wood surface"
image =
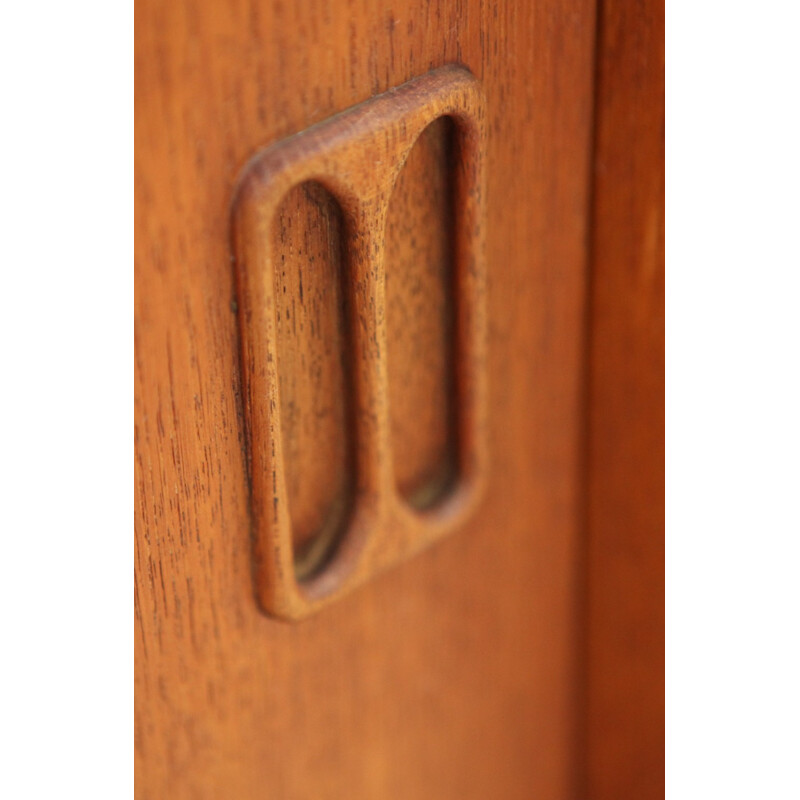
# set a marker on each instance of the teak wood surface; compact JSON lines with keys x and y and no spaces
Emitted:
{"x":462,"y":672}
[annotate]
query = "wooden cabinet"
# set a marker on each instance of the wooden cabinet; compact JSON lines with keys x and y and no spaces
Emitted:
{"x":521,"y":654}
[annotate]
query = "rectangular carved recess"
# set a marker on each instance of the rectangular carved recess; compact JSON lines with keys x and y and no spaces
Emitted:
{"x":314,"y":387}
{"x":359,"y":255}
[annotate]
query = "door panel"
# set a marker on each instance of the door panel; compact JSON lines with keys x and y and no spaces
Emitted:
{"x":456,"y":673}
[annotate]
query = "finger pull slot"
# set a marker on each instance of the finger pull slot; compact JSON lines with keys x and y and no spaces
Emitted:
{"x":315,"y":393}
{"x":420,"y":320}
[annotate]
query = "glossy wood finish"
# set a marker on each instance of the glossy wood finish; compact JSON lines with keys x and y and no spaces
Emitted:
{"x":453,"y":675}
{"x":625,"y":701}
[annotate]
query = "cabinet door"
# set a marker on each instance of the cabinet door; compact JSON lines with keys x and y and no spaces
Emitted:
{"x":456,"y":673}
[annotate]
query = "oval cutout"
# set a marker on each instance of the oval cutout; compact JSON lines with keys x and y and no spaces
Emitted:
{"x":315,"y":393}
{"x":420,"y":319}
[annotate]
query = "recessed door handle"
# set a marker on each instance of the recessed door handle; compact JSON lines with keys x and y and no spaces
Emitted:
{"x":311,"y":544}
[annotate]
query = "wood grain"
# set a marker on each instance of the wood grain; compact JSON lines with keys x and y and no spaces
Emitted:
{"x":625,"y":702}
{"x":454,"y":675}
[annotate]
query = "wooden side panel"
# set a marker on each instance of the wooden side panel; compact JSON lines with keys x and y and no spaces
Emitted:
{"x":626,"y":411}
{"x":454,"y":675}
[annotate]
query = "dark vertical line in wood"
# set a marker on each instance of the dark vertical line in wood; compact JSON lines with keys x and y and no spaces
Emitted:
{"x":582,"y":787}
